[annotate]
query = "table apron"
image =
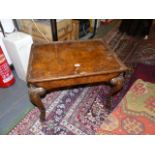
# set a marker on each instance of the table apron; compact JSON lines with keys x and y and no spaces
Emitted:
{"x":49,"y":85}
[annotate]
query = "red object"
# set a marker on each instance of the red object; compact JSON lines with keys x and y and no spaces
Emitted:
{"x":6,"y":76}
{"x":106,"y":21}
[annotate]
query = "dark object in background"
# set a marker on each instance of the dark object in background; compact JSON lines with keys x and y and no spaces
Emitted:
{"x":84,"y":27}
{"x":136,"y":27}
{"x":54,"y":29}
{"x":1,"y":29}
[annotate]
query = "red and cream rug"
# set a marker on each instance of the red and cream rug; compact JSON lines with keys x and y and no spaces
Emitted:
{"x":135,"y":114}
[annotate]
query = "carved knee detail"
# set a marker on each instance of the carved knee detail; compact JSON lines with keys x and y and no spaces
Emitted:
{"x":35,"y":94}
{"x":36,"y":90}
{"x":117,"y":86}
{"x":117,"y":83}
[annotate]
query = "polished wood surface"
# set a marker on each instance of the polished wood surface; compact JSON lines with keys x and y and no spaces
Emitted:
{"x":60,"y":60}
{"x":63,"y":64}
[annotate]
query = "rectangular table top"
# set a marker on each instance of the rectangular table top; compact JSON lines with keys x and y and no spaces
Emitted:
{"x":60,"y":60}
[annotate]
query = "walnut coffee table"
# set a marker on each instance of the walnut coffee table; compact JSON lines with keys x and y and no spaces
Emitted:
{"x":63,"y":64}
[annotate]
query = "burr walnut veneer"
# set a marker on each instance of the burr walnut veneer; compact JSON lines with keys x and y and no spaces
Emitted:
{"x":63,"y":64}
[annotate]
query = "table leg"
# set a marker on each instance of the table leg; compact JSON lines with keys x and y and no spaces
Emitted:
{"x":35,"y":94}
{"x":117,"y":86}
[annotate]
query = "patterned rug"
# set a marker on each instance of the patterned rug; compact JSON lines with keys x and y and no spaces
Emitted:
{"x":139,"y":54}
{"x":132,"y":50}
{"x":143,"y":71}
{"x":123,"y":45}
{"x":73,"y":111}
{"x":128,"y":119}
{"x":135,"y":114}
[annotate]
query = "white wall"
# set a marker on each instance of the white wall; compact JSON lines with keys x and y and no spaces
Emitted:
{"x":4,"y":50}
{"x":8,"y":27}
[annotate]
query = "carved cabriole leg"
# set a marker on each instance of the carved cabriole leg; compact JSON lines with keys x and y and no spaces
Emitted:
{"x":35,"y":93}
{"x":117,"y":86}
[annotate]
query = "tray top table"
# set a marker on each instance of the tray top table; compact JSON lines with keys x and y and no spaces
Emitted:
{"x":64,"y":64}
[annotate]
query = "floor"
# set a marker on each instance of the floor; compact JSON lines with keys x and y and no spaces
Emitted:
{"x":14,"y":104}
{"x":14,"y":101}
